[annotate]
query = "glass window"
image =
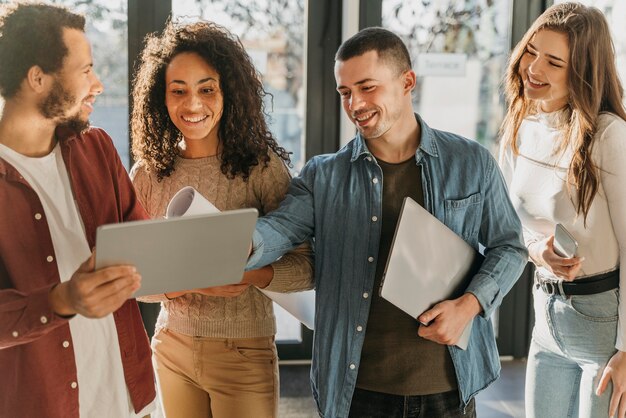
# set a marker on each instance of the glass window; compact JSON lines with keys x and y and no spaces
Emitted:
{"x":274,"y":34}
{"x":459,"y":51}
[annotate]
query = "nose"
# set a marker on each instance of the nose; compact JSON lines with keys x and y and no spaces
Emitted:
{"x":193,"y":102}
{"x":356,"y":102}
{"x":536,"y":66}
{"x":96,"y":85}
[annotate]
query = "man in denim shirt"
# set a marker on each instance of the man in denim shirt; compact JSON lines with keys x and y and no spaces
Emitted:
{"x":370,"y":358}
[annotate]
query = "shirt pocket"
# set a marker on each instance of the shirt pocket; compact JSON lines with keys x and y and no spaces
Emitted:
{"x":463,"y":216}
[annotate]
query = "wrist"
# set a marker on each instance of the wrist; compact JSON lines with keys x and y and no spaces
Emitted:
{"x":59,"y":300}
{"x":260,"y":278}
{"x":471,"y":304}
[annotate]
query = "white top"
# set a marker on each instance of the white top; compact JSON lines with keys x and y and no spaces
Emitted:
{"x":538,"y":189}
{"x":101,"y":384}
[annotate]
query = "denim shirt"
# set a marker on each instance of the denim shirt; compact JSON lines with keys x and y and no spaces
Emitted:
{"x":336,"y":200}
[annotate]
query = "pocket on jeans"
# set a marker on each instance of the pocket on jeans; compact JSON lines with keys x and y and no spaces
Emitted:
{"x":601,"y":307}
{"x":256,"y":354}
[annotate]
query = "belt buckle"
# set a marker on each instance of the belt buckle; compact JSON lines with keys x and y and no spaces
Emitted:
{"x":548,"y":287}
{"x":553,"y":287}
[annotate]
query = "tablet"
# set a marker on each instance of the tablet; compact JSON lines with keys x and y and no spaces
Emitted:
{"x":180,"y":253}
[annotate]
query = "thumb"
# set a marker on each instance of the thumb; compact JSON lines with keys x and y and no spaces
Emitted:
{"x":89,"y":265}
{"x":428,"y":316}
{"x":550,"y":242}
{"x":604,"y":381}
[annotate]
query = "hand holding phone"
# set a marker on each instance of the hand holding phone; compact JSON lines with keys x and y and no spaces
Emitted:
{"x":564,"y":243}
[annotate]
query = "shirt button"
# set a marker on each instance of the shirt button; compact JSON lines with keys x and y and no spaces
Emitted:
{"x":366,"y":295}
{"x":368,"y":158}
{"x":66,"y":344}
{"x":359,"y":328}
{"x":15,"y":334}
{"x":374,"y":218}
{"x":38,"y":216}
{"x":352,"y":366}
{"x":375,"y":180}
{"x":43,"y":320}
{"x":74,"y":385}
{"x":370,"y":259}
{"x":49,"y":259}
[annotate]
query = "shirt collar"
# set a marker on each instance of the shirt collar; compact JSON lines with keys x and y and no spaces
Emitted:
{"x":427,"y":142}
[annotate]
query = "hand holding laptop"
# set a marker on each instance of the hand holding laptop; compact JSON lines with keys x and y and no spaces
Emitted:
{"x":94,"y":293}
{"x":427,"y":285}
{"x":447,"y":321}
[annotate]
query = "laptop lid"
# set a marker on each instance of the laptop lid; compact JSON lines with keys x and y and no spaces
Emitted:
{"x":180,"y":253}
{"x":427,"y":263}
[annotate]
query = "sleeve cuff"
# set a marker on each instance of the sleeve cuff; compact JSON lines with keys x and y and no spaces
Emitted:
{"x":486,"y":291}
{"x":257,"y":250}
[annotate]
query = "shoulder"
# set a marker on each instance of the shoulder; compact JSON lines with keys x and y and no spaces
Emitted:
{"x":330,"y":160}
{"x":610,"y":134}
{"x":276,"y":166}
{"x":458,"y":148}
{"x":139,"y":172}
{"x":93,"y":138}
{"x":611,"y":123}
{"x":93,"y":146}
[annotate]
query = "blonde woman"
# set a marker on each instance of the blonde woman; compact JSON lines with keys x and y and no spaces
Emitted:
{"x":564,"y":158}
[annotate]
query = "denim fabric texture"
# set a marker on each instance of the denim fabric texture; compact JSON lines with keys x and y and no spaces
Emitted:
{"x":573,"y":340}
{"x":336,"y":200}
{"x":367,"y":404}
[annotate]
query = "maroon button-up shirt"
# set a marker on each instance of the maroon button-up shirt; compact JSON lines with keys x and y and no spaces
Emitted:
{"x":36,"y":368}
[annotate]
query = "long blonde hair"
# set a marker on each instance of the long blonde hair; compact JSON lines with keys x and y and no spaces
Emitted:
{"x":593,"y":84}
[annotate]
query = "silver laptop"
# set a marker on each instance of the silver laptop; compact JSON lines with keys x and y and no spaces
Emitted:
{"x":428,"y":263}
{"x":180,"y":253}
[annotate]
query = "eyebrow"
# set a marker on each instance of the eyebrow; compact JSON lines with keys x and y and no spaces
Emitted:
{"x":358,"y":83}
{"x":204,"y":80}
{"x":554,"y":57}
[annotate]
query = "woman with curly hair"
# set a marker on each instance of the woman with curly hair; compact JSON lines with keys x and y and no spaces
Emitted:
{"x":198,"y":120}
{"x":564,"y":158}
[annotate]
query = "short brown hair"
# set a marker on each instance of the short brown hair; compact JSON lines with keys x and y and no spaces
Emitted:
{"x":32,"y":34}
{"x":387,"y":44}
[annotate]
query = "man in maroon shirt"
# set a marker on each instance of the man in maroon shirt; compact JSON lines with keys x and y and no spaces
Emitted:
{"x":71,"y":341}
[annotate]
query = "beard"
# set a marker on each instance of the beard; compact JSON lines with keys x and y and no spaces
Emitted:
{"x":54,"y":107}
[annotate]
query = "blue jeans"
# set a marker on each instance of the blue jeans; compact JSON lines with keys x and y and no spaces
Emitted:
{"x":368,"y":404}
{"x":573,"y":340}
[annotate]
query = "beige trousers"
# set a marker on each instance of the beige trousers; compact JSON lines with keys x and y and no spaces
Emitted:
{"x":216,"y":377}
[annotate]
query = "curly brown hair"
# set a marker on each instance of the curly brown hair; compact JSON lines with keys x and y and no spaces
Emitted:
{"x":244,"y":136}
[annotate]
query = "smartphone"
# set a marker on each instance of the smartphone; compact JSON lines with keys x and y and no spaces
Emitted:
{"x":564,"y":243}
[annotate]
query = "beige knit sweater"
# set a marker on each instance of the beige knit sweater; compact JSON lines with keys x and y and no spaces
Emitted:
{"x":250,"y":314}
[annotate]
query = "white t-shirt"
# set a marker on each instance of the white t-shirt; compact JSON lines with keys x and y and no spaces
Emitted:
{"x":538,"y":188}
{"x":101,"y":384}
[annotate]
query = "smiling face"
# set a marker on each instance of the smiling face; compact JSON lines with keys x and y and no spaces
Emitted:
{"x":373,"y":94}
{"x":74,"y":88}
{"x":544,"y":69}
{"x":193,"y":97}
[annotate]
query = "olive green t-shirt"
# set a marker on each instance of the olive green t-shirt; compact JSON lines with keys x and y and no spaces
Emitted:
{"x":394,"y":358}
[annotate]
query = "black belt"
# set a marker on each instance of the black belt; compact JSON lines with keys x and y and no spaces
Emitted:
{"x":587,"y":286}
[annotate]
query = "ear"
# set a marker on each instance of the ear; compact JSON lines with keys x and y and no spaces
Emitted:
{"x":37,"y":79}
{"x":410,"y":80}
